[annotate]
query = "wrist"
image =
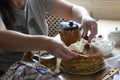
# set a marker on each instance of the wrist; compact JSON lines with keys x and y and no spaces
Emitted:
{"x":87,"y":18}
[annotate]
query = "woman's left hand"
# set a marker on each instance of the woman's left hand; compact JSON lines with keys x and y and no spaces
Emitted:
{"x":89,"y":24}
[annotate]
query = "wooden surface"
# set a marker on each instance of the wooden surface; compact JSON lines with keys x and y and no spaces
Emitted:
{"x":104,"y":74}
{"x":97,"y":76}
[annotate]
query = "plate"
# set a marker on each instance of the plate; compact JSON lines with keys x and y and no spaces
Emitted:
{"x":82,"y":73}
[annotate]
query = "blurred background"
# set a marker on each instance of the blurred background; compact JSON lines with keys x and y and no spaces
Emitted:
{"x":102,"y":9}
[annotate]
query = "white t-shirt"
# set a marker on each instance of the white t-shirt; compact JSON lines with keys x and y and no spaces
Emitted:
{"x":31,"y":20}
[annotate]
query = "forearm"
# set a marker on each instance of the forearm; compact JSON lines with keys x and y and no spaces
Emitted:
{"x":70,"y":11}
{"x":79,"y":12}
{"x":15,"y":41}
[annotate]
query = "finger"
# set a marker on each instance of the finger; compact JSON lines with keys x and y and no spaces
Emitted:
{"x":85,"y":31}
{"x":93,"y":31}
{"x":63,"y":56}
{"x":61,"y":53}
{"x":70,"y":53}
{"x":91,"y":36}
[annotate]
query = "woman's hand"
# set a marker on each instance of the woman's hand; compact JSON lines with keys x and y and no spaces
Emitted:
{"x":89,"y":24}
{"x":77,"y":13}
{"x":58,"y":49}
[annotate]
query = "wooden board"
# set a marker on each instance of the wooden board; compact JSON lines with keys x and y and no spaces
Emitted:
{"x":101,"y":75}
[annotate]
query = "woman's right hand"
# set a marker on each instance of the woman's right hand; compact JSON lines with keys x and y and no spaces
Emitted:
{"x":16,"y":41}
{"x":58,"y":49}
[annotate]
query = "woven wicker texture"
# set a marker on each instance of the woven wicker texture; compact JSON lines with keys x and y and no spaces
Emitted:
{"x":53,"y":23}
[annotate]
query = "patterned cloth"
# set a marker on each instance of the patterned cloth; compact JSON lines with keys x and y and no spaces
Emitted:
{"x":29,"y":71}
